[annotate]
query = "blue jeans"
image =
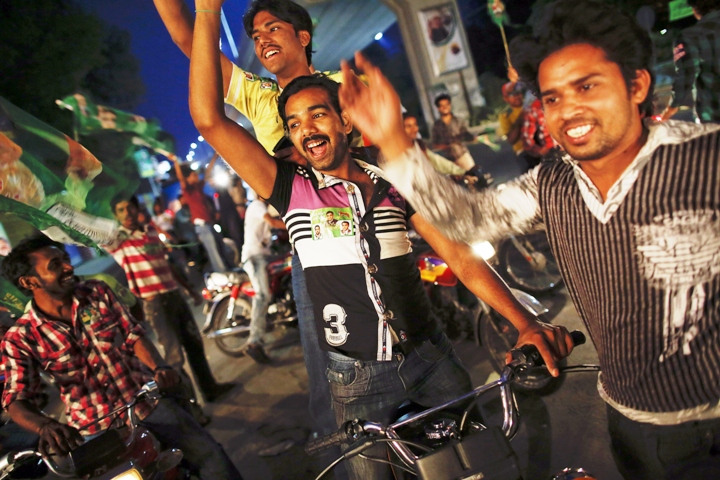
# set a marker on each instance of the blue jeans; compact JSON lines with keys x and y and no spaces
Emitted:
{"x":316,"y":363}
{"x":256,"y":268}
{"x":175,"y":428}
{"x":431,"y":374}
{"x":207,"y":238}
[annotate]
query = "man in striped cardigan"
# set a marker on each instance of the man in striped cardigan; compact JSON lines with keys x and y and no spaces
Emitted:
{"x":632,"y":212}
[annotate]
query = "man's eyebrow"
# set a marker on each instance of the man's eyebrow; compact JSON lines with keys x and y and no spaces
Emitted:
{"x":255,"y":30}
{"x":320,"y":106}
{"x":574,"y":83}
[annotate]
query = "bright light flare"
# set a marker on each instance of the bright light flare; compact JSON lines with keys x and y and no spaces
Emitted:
{"x":484,"y":250}
{"x":221,"y":178}
{"x":193,"y":145}
{"x":217,"y":228}
{"x":378,"y":35}
{"x":195,"y":166}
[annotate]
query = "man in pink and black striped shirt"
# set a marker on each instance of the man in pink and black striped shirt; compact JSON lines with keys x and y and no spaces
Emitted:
{"x":140,"y":252}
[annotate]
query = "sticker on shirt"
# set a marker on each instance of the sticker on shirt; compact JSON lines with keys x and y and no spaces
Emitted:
{"x":332,"y":223}
{"x":250,"y":77}
{"x":267,"y":85}
{"x":89,"y":315}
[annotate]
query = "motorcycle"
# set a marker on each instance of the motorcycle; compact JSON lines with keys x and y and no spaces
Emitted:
{"x":228,"y":296}
{"x":464,"y":315}
{"x":118,"y":453}
{"x":527,"y":262}
{"x":450,"y":441}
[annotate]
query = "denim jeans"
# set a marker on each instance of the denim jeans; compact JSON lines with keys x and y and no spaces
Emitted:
{"x":256,"y":268}
{"x":429,"y":375}
{"x":175,"y":428}
{"x":207,"y":238}
{"x":643,"y":451}
{"x":316,"y":363}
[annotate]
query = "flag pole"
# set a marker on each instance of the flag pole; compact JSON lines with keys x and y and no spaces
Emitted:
{"x":505,"y":43}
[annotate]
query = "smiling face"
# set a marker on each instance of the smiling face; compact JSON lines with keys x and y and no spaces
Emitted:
{"x":277,"y":45}
{"x":411,"y":127}
{"x":52,"y":273}
{"x":588,"y":108}
{"x":444,"y":106}
{"x":317,"y":130}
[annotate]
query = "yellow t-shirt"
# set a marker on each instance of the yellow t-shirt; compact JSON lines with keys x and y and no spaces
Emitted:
{"x":506,"y":119}
{"x":257,"y":99}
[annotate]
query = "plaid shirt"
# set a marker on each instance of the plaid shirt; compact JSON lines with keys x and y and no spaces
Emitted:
{"x":452,"y":134}
{"x":535,"y":134}
{"x":697,"y":63}
{"x":142,"y":255}
{"x":91,"y":384}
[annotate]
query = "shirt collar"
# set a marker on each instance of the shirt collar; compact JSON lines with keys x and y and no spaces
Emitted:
{"x":671,"y":132}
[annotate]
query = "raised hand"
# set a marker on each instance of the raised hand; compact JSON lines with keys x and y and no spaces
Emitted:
{"x":374,"y":109}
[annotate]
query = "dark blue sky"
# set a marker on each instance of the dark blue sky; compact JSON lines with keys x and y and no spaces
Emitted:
{"x":164,"y":68}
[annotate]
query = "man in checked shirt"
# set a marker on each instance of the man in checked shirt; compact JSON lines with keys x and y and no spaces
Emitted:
{"x":98,"y":355}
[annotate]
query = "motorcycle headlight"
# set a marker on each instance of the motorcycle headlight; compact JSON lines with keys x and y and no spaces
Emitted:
{"x":131,"y":474}
{"x":484,"y":249}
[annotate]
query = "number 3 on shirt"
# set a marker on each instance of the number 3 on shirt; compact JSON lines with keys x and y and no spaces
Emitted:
{"x":335,"y":315}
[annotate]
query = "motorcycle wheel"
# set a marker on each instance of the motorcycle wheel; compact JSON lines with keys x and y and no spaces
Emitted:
{"x":541,"y":274}
{"x":233,"y":345}
{"x":500,"y":336}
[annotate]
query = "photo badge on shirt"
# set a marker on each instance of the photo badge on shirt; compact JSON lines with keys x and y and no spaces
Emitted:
{"x":332,"y":222}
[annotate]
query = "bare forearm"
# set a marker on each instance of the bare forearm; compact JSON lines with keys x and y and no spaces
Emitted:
{"x":206,"y":103}
{"x":27,"y":415}
{"x":146,"y":352}
{"x":179,"y":22}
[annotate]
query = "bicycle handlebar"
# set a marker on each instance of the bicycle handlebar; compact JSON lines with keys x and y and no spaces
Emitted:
{"x":528,"y":356}
{"x":345,"y":434}
{"x":524,"y":357}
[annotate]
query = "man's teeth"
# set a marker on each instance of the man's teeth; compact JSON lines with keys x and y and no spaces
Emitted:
{"x":578,"y":132}
{"x":315,"y":144}
{"x":270,"y":53}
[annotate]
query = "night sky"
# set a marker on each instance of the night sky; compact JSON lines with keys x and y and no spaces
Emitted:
{"x":164,"y":68}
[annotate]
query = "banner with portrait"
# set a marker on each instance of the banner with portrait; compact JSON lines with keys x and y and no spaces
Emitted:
{"x":442,"y":34}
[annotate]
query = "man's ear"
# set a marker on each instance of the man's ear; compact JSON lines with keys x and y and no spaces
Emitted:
{"x":304,"y":37}
{"x":640,"y":86}
{"x":347,"y":122}
{"x":27,"y":282}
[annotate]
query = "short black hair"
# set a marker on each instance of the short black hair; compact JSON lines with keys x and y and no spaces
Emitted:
{"x":441,"y":97}
{"x":186,"y":170}
{"x":309,"y":81}
{"x":132,"y":199}
{"x":571,"y":22}
{"x":407,"y":115}
{"x":703,"y":7}
{"x":17,"y":264}
{"x":286,"y":11}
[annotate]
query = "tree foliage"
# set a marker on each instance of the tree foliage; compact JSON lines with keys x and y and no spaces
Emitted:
{"x":51,"y":48}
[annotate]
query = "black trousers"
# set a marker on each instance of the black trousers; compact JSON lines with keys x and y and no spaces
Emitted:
{"x":687,"y":451}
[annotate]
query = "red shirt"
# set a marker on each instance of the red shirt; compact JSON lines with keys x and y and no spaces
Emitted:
{"x":142,"y":255}
{"x":94,"y":377}
{"x":196,"y":201}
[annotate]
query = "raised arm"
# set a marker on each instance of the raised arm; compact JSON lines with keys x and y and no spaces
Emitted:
{"x":459,"y":214}
{"x":239,"y":149}
{"x":553,"y":342}
{"x":179,"y":22}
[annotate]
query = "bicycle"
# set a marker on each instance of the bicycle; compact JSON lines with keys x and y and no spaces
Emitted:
{"x":449,"y":449}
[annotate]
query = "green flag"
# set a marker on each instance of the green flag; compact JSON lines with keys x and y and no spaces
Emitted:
{"x":497,"y":12}
{"x":93,"y":118}
{"x":56,"y":184}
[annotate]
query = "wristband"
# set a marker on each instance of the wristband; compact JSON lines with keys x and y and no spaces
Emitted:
{"x":162,"y":367}
{"x":208,"y":11}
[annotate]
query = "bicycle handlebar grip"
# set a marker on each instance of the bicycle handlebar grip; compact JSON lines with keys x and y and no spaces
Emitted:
{"x":326,"y":441}
{"x":528,"y":354}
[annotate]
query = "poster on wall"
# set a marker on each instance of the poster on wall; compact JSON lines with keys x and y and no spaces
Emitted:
{"x":443,"y":40}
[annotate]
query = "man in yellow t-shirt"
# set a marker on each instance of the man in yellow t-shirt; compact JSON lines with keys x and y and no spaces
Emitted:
{"x":511,"y":118}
